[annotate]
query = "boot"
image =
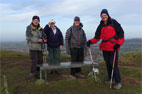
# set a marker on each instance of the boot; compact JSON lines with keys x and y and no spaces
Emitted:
{"x":80,"y":75}
{"x":31,"y":77}
{"x":117,"y":86}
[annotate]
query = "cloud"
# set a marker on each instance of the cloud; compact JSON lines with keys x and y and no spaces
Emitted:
{"x":4,"y":9}
{"x":124,"y":10}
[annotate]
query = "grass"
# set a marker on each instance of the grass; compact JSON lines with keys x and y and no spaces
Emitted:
{"x":13,"y":54}
{"x":131,"y":58}
{"x":16,"y":67}
{"x":2,"y":89}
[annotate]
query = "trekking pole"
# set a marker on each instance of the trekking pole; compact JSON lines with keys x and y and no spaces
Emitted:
{"x":112,"y":69}
{"x":94,"y":70}
{"x":91,"y":57}
{"x":44,"y":58}
{"x":43,"y":52}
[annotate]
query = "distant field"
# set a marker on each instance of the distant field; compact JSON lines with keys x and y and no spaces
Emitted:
{"x":129,"y":45}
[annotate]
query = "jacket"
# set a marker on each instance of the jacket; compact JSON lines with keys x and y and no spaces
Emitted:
{"x":110,"y":34}
{"x":53,"y":40}
{"x":75,"y":38}
{"x":33,"y":34}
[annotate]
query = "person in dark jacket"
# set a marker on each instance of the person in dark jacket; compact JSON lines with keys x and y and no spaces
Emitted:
{"x":54,"y":44}
{"x":35,"y":38}
{"x":112,"y":36}
{"x":76,"y":45}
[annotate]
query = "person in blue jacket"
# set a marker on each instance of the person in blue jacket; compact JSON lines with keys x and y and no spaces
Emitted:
{"x":54,"y":44}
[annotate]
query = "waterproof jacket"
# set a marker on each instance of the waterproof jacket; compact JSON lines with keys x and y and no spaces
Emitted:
{"x":110,"y":34}
{"x":33,"y":34}
{"x":75,"y":38}
{"x":53,"y":40}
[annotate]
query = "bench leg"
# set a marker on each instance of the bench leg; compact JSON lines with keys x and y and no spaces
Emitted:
{"x":45,"y":74}
{"x":40,"y":74}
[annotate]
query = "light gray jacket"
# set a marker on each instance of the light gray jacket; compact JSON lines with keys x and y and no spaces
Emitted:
{"x":33,"y":35}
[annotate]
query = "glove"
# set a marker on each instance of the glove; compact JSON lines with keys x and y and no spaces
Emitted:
{"x":116,"y":46}
{"x":88,"y":43}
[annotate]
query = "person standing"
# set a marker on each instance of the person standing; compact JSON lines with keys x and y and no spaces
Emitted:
{"x":35,"y":39}
{"x":112,"y":36}
{"x":76,"y":45}
{"x":54,"y":44}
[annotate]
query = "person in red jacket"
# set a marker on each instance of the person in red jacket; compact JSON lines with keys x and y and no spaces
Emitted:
{"x":112,"y":36}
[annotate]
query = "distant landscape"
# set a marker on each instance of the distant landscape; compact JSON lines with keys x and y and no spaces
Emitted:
{"x":130,"y":45}
{"x":21,"y":46}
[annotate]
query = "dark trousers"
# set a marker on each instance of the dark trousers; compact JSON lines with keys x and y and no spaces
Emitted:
{"x":77,"y":55}
{"x":37,"y":59}
{"x":108,"y":57}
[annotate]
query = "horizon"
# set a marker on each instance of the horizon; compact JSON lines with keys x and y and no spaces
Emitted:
{"x":64,"y":39}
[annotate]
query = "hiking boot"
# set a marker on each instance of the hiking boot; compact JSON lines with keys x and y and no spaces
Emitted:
{"x":80,"y":75}
{"x":117,"y":86}
{"x":72,"y":77}
{"x":31,"y":77}
{"x":109,"y":81}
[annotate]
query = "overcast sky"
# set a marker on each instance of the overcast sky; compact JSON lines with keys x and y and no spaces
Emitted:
{"x":15,"y":15}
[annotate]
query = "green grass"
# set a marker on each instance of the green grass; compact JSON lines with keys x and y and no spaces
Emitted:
{"x":131,"y":58}
{"x":13,"y":54}
{"x":2,"y":90}
{"x":17,"y":70}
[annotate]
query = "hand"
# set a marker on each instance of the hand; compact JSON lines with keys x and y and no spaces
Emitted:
{"x":116,"y":46}
{"x":49,"y":23}
{"x":45,"y":40}
{"x":40,"y":40}
{"x":88,"y":43}
{"x":61,"y":47}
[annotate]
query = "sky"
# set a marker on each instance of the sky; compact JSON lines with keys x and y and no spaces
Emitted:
{"x":16,"y":15}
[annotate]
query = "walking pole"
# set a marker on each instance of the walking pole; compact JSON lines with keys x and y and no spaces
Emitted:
{"x":43,"y":56}
{"x":112,"y":69}
{"x":44,"y":59}
{"x":94,"y":70}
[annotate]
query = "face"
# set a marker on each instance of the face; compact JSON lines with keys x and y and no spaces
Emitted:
{"x":35,"y":22}
{"x":77,"y":23}
{"x":104,"y":17}
{"x":52,"y":24}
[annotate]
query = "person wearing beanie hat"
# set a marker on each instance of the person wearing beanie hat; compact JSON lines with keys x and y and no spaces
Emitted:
{"x":54,"y":44}
{"x":35,"y":38}
{"x":36,"y":17}
{"x":104,"y":11}
{"x":75,"y":41}
{"x":76,"y":18}
{"x":112,"y":36}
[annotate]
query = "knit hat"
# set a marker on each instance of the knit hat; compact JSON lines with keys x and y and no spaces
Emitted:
{"x":76,"y":18}
{"x":35,"y":17}
{"x":104,"y":11}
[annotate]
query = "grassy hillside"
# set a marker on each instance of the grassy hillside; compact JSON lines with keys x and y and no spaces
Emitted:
{"x":14,"y":54}
{"x":16,"y":67}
